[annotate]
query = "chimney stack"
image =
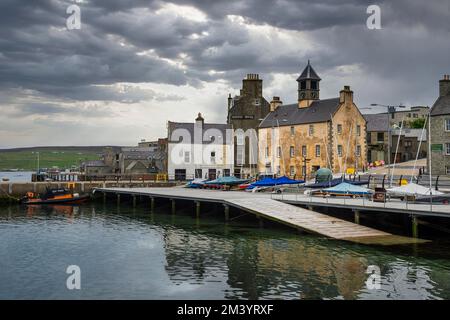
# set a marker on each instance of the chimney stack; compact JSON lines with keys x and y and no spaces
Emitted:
{"x":275,"y":103}
{"x":444,"y":86}
{"x":346,"y":95}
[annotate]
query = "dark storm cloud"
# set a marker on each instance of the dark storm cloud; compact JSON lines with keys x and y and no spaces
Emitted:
{"x":37,"y":53}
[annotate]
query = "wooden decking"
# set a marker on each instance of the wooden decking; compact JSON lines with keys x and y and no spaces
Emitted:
{"x":263,"y":206}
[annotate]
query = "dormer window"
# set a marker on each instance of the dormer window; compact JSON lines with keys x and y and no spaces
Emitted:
{"x":257,"y":103}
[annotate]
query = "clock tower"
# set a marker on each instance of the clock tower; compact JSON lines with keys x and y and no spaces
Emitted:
{"x":308,"y":87}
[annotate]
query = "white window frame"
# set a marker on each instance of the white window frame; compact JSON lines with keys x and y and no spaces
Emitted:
{"x":318,"y":149}
{"x":304,"y":151}
{"x":358,"y":130}
{"x":278,"y":152}
{"x":447,"y":125}
{"x":187,"y":155}
{"x":292,"y":131}
{"x":339,"y":129}
{"x":447,"y":149}
{"x":340,"y":150}
{"x":292,"y":151}
{"x":447,"y":170}
{"x":311,"y":130}
{"x":292,"y":171}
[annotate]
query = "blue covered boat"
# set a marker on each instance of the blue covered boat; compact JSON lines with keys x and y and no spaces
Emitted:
{"x":226,"y":181}
{"x":345,"y":188}
{"x":270,"y":182}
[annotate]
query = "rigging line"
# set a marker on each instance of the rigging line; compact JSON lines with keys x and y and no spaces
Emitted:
{"x":418,"y":149}
{"x":396,"y":150}
{"x":348,"y":147}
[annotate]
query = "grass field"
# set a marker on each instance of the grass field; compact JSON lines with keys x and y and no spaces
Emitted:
{"x":48,"y":158}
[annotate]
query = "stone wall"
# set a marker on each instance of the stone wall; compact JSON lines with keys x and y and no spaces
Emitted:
{"x":439,"y":161}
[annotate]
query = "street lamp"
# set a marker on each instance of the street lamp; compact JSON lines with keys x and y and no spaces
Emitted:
{"x":390,"y":111}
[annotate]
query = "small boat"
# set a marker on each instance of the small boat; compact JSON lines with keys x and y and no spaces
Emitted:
{"x":437,"y":198}
{"x":5,"y":179}
{"x":196,"y":183}
{"x":224,"y":182}
{"x":54,"y":196}
{"x":347,"y":189}
{"x":335,"y":182}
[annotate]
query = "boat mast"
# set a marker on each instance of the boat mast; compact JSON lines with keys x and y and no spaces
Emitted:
{"x":429,"y":149}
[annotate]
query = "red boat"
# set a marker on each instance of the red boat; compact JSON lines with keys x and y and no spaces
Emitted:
{"x":54,"y":196}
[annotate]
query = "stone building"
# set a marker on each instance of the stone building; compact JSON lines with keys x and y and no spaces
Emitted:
{"x":409,"y":115}
{"x":298,"y":139}
{"x":440,"y":130}
{"x":199,"y":150}
{"x":377,"y":137}
{"x":245,"y":112}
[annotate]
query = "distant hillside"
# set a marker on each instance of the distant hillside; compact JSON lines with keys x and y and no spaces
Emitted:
{"x":61,"y":157}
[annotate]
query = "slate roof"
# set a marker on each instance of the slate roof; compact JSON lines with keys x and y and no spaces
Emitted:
{"x":291,"y":114}
{"x":308,"y":73}
{"x":190,"y":128}
{"x":441,"y":106}
{"x":377,"y":122}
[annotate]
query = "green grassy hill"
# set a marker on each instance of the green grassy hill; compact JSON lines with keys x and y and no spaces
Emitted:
{"x":62,"y":157}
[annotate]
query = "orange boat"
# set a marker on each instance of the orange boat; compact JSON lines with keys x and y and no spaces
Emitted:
{"x":54,"y":196}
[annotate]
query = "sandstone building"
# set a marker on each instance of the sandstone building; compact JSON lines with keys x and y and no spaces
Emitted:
{"x":298,"y":139}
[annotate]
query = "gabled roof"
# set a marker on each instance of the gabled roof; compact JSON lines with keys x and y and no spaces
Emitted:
{"x":308,"y":73}
{"x":441,"y":106}
{"x":377,"y":122}
{"x":318,"y":111}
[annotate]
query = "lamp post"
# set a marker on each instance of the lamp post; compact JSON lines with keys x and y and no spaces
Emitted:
{"x":390,"y":111}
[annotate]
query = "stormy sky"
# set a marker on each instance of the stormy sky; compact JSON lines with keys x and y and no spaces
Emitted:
{"x":135,"y":64}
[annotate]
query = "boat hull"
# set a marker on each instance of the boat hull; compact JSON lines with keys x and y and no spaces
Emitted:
{"x":73,"y":200}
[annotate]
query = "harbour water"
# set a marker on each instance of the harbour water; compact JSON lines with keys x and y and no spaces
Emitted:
{"x":126,"y":253}
{"x":16,"y":176}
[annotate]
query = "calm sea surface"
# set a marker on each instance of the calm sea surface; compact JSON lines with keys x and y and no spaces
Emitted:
{"x":19,"y":176}
{"x":131,"y":254}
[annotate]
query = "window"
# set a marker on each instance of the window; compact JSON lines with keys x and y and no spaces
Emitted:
{"x":267,"y":151}
{"x":311,"y":129}
{"x":314,"y":85}
{"x":358,"y":130}
{"x":380,"y":137}
{"x":304,"y":151}
{"x":339,"y":150}
{"x":239,"y":155}
{"x":292,"y":151}
{"x":279,"y":152}
{"x":447,"y":124}
{"x":226,"y":172}
{"x":400,"y":124}
{"x":415,"y":115}
{"x":256,"y":102}
{"x":304,"y":171}
{"x":339,"y":128}
{"x":447,"y":149}
{"x":409,"y":115}
{"x":198,"y":174}
{"x":292,"y":171}
{"x":213,"y":157}
{"x":302,"y":85}
{"x":292,"y":131}
{"x":240,"y":139}
{"x":317,"y":150}
{"x":187,"y":157}
{"x":408,"y":143}
{"x":447,"y":170}
{"x":358,"y":150}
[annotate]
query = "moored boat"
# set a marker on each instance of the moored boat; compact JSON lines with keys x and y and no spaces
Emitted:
{"x":54,"y":196}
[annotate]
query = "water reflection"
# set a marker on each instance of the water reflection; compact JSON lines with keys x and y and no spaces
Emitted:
{"x":132,"y":254}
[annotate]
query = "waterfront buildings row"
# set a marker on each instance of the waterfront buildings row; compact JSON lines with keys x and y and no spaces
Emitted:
{"x":297,"y":139}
